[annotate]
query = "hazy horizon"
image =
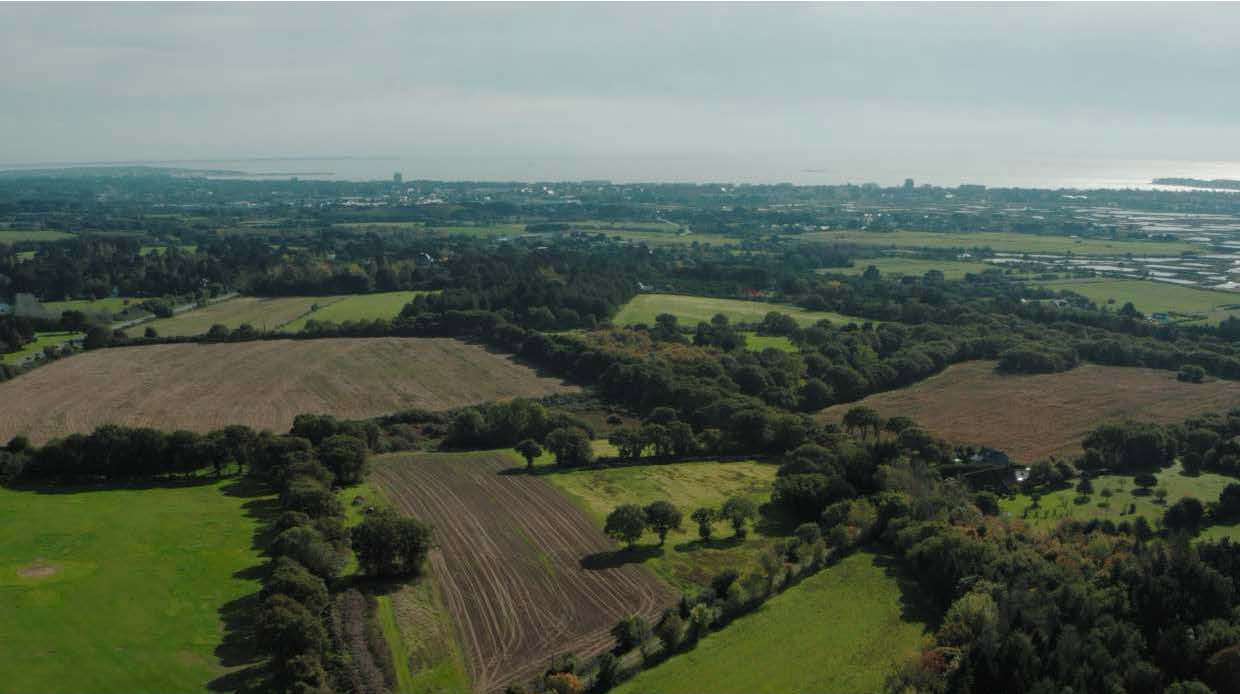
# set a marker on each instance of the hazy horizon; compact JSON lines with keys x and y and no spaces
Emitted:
{"x":800,"y":93}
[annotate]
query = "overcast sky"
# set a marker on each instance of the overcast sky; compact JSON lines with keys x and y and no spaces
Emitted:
{"x":491,"y":82}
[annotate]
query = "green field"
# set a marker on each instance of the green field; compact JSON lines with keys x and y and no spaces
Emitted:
{"x":757,"y":342}
{"x":121,"y":590}
{"x":15,"y":235}
{"x":41,"y":340}
{"x":110,"y":305}
{"x":1061,"y":504}
{"x":339,"y":309}
{"x":841,"y":631}
{"x":692,"y":310}
{"x":1154,"y":297}
{"x":1002,"y":241}
{"x":685,"y":562}
{"x":951,"y":269}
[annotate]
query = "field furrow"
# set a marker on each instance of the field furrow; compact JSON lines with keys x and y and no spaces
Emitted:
{"x":509,"y":560}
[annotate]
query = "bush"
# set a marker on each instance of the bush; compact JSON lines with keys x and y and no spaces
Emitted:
{"x":307,"y":546}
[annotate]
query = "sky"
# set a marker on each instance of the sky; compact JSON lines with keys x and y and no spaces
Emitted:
{"x":471,"y":88}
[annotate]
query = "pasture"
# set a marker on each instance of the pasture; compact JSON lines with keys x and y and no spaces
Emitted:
{"x":263,"y":384}
{"x":262,"y":314}
{"x":1001,"y":241}
{"x":34,"y":235}
{"x":121,"y":590}
{"x":1034,"y":416}
{"x":514,"y":563}
{"x":36,"y":346}
{"x":1112,"y":497}
{"x":684,"y":561}
{"x":1154,"y":297}
{"x":339,"y":309}
{"x":758,"y":343}
{"x":692,"y":310}
{"x":842,"y":630}
{"x":106,"y":306}
{"x":916,"y":267}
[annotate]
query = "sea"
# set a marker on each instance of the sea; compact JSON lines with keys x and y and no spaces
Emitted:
{"x":1078,"y":174}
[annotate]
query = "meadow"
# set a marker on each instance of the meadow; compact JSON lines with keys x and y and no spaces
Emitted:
{"x":1155,"y":297}
{"x":105,"y":306}
{"x":757,"y":342}
{"x":1034,"y":416}
{"x":121,"y":590}
{"x":1001,"y":241}
{"x":1112,"y":497}
{"x":692,"y":310}
{"x":684,"y":561}
{"x":339,"y":309}
{"x":16,"y":235}
{"x":951,"y":269}
{"x":36,"y":346}
{"x":842,"y":630}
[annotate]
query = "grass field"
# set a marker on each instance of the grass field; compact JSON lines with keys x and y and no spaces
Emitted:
{"x":263,"y":314}
{"x":1061,"y":504}
{"x":263,"y":384}
{"x":684,"y":561}
{"x":518,"y":565}
{"x":110,"y":305}
{"x":692,"y":310}
{"x":1002,"y":241}
{"x":339,"y":309}
{"x":951,"y":269}
{"x":841,"y":631}
{"x":757,"y":342}
{"x":1034,"y":416}
{"x":1154,"y":297}
{"x":15,"y":235}
{"x":120,"y":590}
{"x":36,"y":346}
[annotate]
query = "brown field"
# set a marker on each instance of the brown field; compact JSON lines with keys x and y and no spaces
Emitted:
{"x":510,"y":563}
{"x":263,"y":384}
{"x":1032,"y":417}
{"x":263,"y":314}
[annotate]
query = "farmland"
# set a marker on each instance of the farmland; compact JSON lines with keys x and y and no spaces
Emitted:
{"x":693,"y":309}
{"x":263,"y":384}
{"x":842,"y":631}
{"x":510,"y":562}
{"x":16,"y":235}
{"x":951,"y":269}
{"x":121,"y":590}
{"x":1002,"y":241}
{"x":262,"y":314}
{"x":1155,"y":297}
{"x":1031,"y":417}
{"x":684,"y":561}
{"x":339,"y":309}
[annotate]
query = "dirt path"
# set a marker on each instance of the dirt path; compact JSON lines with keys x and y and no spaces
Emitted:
{"x":509,"y":562}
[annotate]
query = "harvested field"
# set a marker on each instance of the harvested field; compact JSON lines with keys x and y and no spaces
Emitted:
{"x":510,"y":563}
{"x":1031,"y":417}
{"x":263,"y":314}
{"x":262,"y":384}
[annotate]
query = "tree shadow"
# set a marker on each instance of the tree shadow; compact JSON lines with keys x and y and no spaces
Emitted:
{"x":914,"y":605}
{"x":238,"y":648}
{"x":617,"y":558}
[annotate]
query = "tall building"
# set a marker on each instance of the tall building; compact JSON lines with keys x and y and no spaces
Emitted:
{"x":397,"y":178}
{"x":908,"y":184}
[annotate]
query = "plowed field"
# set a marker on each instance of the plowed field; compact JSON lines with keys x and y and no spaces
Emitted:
{"x":263,"y":384}
{"x":510,"y":563}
